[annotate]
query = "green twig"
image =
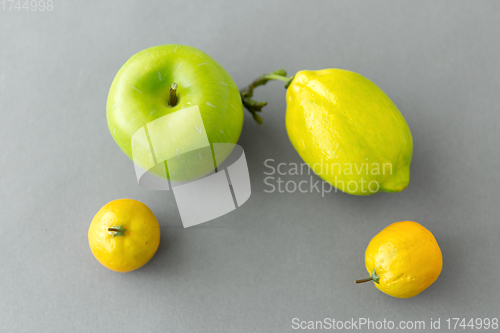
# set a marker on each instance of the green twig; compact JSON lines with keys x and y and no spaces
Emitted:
{"x":247,"y":93}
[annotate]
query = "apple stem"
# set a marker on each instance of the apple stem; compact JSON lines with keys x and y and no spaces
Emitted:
{"x":173,"y":96}
{"x":247,"y":93}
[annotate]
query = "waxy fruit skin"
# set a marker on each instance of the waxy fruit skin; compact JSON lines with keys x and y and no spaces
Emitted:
{"x":406,"y":257}
{"x":349,"y":131}
{"x":139,"y":95}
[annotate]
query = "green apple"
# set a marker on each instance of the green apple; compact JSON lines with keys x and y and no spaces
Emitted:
{"x":164,"y":80}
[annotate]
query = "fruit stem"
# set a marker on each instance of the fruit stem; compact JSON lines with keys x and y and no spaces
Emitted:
{"x":374,"y":277}
{"x":172,"y":100}
{"x":117,"y":230}
{"x":247,"y":93}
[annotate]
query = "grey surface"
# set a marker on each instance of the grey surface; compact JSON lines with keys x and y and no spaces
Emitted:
{"x":280,"y":255}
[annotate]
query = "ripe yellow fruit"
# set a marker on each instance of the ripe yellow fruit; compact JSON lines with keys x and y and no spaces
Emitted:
{"x":403,"y":259}
{"x":124,"y":235}
{"x":348,"y":131}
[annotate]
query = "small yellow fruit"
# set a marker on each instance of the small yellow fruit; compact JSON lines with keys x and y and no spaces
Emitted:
{"x":124,"y":235}
{"x":403,"y":259}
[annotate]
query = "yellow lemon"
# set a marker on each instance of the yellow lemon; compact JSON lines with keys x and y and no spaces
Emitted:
{"x":124,"y":235}
{"x":403,"y":259}
{"x":348,"y":131}
{"x":345,"y":128}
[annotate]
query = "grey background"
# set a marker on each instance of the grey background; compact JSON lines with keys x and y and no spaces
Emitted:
{"x":280,"y":255}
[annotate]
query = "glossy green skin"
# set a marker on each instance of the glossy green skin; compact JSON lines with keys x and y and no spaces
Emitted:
{"x":140,"y":91}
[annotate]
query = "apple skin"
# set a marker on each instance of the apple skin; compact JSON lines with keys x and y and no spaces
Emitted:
{"x":139,"y":95}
